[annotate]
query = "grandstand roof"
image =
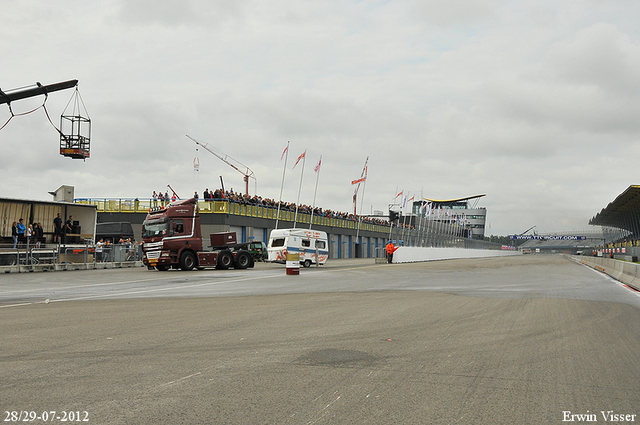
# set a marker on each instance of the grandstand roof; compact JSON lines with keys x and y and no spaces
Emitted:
{"x":453,"y":200}
{"x":618,"y":213}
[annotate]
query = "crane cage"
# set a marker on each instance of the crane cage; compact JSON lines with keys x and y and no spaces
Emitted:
{"x":75,"y":129}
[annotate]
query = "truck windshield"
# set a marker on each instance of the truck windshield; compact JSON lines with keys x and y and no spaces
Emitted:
{"x":153,"y":228}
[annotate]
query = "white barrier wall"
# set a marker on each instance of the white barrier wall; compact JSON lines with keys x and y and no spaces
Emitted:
{"x":410,"y":254}
{"x":625,"y":272}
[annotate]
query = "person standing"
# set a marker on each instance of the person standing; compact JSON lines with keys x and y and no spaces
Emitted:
{"x":390,"y":250}
{"x":21,"y":231}
{"x":68,"y":229}
{"x":99,"y":245}
{"x":57,"y":229}
{"x":30,"y":235}
{"x":14,"y":233}
{"x":39,"y":235}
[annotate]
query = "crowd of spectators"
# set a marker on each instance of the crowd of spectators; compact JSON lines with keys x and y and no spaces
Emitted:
{"x":245,"y":199}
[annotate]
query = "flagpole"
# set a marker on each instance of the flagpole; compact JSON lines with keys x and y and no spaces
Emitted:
{"x":404,"y":215}
{"x":365,"y":171}
{"x":429,"y":209}
{"x":426,"y":219}
{"x":304,"y":159}
{"x":394,"y":204}
{"x":360,"y":216}
{"x":284,"y":169}
{"x":313,"y":206}
{"x":421,"y":225}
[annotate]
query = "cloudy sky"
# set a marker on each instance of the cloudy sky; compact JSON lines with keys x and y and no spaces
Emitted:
{"x":533,"y":103}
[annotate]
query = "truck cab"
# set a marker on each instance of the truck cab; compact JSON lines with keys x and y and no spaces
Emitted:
{"x":173,"y":239}
{"x":172,"y":236}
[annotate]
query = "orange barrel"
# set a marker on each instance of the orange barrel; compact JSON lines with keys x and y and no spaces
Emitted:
{"x":293,"y":264}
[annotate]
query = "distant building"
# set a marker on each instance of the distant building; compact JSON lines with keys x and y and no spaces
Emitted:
{"x":462,"y":212}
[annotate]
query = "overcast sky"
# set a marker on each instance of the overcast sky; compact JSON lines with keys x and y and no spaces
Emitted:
{"x":533,"y":103}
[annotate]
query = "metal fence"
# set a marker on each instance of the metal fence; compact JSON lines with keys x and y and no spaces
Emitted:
{"x":58,"y":254}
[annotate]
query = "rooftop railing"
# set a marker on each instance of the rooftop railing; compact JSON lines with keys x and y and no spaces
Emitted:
{"x":234,"y":208}
{"x":434,"y":233}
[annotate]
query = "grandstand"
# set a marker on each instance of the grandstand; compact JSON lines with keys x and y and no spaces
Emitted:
{"x":623,"y":213}
{"x":622,"y":217}
{"x":570,"y":242}
{"x":618,"y":235}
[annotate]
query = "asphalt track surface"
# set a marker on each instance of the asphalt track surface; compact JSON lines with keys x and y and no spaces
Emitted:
{"x":519,"y":340}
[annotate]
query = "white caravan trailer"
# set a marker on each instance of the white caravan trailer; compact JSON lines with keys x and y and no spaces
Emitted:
{"x":312,"y":245}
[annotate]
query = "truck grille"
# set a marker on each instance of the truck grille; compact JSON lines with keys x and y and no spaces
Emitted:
{"x":153,"y":255}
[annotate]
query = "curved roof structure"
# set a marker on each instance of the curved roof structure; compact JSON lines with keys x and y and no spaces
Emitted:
{"x":453,"y":200}
{"x":623,"y":212}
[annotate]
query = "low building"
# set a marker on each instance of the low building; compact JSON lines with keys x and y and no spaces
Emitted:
{"x":462,"y":212}
{"x":31,"y":211}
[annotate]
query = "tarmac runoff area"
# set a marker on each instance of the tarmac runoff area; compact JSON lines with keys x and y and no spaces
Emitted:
{"x":536,"y":339}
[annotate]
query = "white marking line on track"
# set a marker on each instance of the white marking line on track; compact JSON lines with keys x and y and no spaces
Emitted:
{"x":179,"y":380}
{"x":93,"y":285}
{"x":142,"y":291}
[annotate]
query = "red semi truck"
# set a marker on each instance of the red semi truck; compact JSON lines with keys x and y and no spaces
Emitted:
{"x":172,"y":239}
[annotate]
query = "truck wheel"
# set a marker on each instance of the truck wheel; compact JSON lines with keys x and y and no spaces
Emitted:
{"x":162,"y":268}
{"x":243,"y":260}
{"x":225,"y":260}
{"x":187,"y":261}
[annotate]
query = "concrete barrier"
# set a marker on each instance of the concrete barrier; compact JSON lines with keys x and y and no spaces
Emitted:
{"x":409,"y":254}
{"x":625,"y":272}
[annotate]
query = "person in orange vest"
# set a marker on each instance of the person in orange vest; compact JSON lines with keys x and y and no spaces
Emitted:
{"x":390,"y":250}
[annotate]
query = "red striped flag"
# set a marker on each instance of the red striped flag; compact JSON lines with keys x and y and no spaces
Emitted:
{"x":299,"y":158}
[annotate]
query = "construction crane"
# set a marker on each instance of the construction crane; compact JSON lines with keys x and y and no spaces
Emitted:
{"x":234,"y":163}
{"x":530,"y":228}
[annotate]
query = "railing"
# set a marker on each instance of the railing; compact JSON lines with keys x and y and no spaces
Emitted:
{"x":433,"y":233}
{"x":54,"y":254}
{"x":233,"y":208}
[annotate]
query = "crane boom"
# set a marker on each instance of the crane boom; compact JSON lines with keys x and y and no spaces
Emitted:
{"x":233,"y":163}
{"x":18,"y":94}
{"x":528,"y":229}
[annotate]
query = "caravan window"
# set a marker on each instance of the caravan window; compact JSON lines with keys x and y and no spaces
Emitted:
{"x":306,"y":243}
{"x":277,"y":242}
{"x":320,"y":245}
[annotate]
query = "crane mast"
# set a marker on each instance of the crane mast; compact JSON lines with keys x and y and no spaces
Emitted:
{"x":233,"y":163}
